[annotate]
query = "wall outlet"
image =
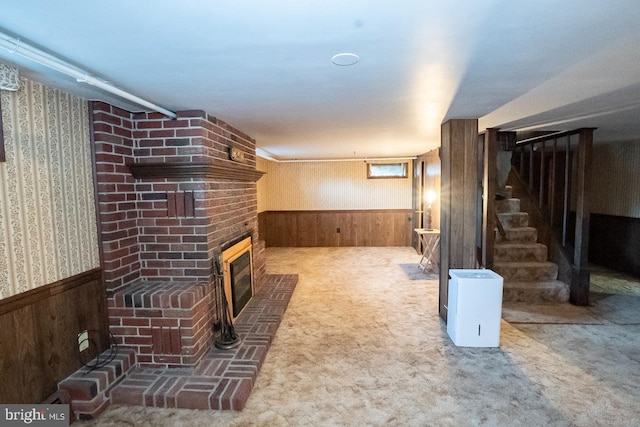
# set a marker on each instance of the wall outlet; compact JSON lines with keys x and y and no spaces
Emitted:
{"x":83,"y":341}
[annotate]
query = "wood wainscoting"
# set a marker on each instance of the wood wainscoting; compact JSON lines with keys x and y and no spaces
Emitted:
{"x":385,"y":227}
{"x":39,"y":335}
{"x":614,"y":242}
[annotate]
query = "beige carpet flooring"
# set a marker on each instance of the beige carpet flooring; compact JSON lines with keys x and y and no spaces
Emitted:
{"x":361,"y":344}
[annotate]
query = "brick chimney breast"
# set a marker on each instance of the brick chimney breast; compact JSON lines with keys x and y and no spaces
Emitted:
{"x":169,"y":199}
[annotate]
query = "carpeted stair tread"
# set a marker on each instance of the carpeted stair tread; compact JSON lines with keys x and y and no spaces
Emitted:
{"x":507,"y":205}
{"x":518,"y":234}
{"x":526,"y":270}
{"x":522,"y":262}
{"x":514,"y":219}
{"x":520,"y":251}
{"x":545,"y":291}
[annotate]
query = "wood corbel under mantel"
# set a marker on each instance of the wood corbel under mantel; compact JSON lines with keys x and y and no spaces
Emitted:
{"x":216,"y":170}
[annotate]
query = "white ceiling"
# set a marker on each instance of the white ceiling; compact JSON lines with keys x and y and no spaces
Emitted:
{"x":265,"y":66}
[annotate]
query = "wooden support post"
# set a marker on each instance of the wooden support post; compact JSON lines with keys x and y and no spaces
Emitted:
{"x":459,"y":198}
{"x":579,"y":293}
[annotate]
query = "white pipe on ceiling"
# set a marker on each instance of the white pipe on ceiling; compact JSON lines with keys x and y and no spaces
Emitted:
{"x":18,"y":47}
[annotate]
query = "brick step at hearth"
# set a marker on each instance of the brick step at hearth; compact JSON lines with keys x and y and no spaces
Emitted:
{"x":163,"y":321}
{"x":223,"y":379}
{"x":89,"y":389}
{"x":548,"y":291}
{"x":520,"y":252}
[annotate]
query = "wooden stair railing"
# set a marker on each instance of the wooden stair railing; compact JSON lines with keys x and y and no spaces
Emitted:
{"x":554,"y":170}
{"x":552,"y":173}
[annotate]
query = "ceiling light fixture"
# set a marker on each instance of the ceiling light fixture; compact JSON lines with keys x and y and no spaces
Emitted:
{"x":345,"y":59}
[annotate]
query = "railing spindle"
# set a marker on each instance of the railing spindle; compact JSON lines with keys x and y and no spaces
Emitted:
{"x":565,"y":202}
{"x":542,"y":144}
{"x":531,"y":168}
{"x":552,"y":179}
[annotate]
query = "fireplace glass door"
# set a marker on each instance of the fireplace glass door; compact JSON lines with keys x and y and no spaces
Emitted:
{"x":240,"y":282}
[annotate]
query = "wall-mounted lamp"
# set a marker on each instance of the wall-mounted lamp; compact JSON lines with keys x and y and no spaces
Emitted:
{"x":430,"y":197}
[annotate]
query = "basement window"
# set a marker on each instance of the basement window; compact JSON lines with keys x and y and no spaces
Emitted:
{"x":387,"y":170}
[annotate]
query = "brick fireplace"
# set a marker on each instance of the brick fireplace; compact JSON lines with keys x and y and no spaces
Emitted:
{"x":170,"y":198}
{"x":173,"y":195}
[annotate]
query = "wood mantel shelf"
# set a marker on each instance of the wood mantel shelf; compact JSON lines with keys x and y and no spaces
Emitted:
{"x":213,"y":170}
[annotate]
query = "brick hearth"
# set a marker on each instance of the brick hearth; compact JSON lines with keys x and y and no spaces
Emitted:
{"x":167,"y":323}
{"x":223,"y":379}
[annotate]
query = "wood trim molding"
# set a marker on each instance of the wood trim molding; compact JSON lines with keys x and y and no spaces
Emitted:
{"x":3,"y":157}
{"x":339,"y":211}
{"x":215,"y":170}
{"x":43,"y":292}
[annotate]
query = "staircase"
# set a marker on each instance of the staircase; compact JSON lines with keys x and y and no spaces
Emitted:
{"x":522,"y":262}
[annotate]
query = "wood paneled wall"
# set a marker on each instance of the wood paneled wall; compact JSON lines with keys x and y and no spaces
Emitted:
{"x":615,"y":243}
{"x":39,"y":335}
{"x":390,"y":227}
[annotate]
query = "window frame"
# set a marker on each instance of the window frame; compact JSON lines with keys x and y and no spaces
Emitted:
{"x":404,"y":165}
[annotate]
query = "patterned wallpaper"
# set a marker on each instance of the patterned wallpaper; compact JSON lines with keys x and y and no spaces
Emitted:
{"x":9,"y":77}
{"x":616,"y":174}
{"x":48,"y":226}
{"x":329,"y":186}
{"x":261,"y":186}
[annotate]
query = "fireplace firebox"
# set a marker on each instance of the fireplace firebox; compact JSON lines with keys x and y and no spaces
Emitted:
{"x":241,"y":290}
{"x":237,"y":265}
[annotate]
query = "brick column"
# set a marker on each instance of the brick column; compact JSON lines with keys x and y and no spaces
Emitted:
{"x":169,"y":229}
{"x":114,"y":145}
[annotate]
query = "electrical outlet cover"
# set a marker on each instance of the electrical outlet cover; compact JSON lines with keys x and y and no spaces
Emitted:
{"x":83,"y":340}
